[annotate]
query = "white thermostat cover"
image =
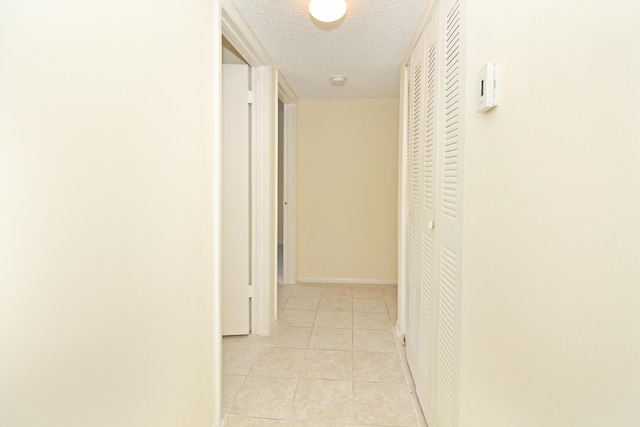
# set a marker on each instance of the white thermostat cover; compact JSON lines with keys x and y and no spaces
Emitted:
{"x":487,"y":88}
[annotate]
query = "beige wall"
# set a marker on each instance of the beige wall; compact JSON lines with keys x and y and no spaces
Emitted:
{"x":347,"y":189}
{"x":552,"y":200}
{"x":106,"y":314}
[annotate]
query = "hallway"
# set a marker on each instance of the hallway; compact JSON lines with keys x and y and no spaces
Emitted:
{"x":332,"y":360}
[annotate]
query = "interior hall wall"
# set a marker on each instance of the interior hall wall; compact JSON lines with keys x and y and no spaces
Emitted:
{"x":551,"y":235}
{"x":347,"y":190}
{"x":106,"y":296}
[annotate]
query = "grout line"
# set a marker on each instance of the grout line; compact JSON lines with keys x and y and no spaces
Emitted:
{"x":417,"y":408}
{"x":352,"y":351}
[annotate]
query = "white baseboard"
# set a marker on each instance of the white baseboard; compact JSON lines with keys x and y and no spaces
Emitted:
{"x":349,"y":281}
{"x":398,"y":330}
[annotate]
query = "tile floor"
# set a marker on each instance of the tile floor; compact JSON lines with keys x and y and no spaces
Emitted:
{"x":332,"y":360}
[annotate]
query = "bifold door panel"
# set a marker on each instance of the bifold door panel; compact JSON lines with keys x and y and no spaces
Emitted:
{"x":434,"y":175}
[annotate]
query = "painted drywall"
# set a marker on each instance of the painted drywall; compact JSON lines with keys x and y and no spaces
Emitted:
{"x":106,"y":295}
{"x":347,"y":189}
{"x":550,"y":300}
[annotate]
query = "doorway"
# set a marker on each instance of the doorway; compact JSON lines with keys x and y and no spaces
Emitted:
{"x":281,"y":196}
{"x":287,"y":106}
{"x":264,"y":178}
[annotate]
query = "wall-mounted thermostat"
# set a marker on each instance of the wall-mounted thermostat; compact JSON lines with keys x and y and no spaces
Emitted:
{"x":487,"y":88}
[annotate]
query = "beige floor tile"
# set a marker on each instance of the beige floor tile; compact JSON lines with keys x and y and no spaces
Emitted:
{"x":328,"y":365}
{"x":323,"y":400}
{"x":391,"y":304}
{"x":279,"y":362}
{"x":282,"y":301}
{"x":368,"y":292}
{"x":317,"y":424}
{"x":331,"y":339}
{"x":302,"y":303}
{"x":327,"y":424}
{"x":337,"y":291}
{"x":285,"y":289}
{"x":240,"y":353}
{"x":302,"y":375}
{"x":393,"y":315}
{"x":289,"y":336}
{"x":240,"y":421}
{"x":244,"y":342}
{"x":387,"y":404}
{"x":265,"y":397}
{"x":237,"y":364}
{"x":231,"y":385}
{"x":335,"y":304}
{"x":311,"y":290}
{"x":378,"y":367}
{"x":390,"y":292}
{"x":370,"y":305}
{"x":374,"y":340}
{"x":297,"y":318}
{"x":334,"y":319}
{"x":371,"y":320}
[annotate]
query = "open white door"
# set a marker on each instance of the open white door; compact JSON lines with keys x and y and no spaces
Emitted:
{"x":236,"y":209}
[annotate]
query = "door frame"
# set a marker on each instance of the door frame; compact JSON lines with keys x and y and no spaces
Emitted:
{"x":216,"y":198}
{"x":290,"y":100}
{"x":266,"y":84}
{"x":403,"y":204}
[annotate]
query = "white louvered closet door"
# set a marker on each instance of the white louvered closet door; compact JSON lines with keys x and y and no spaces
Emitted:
{"x":435,"y":224}
{"x":448,"y":249}
{"x":416,"y":133}
{"x":422,"y":269}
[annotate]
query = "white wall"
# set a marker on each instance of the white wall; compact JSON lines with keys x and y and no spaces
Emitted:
{"x":106,"y":303}
{"x":552,"y":201}
{"x":347,"y":189}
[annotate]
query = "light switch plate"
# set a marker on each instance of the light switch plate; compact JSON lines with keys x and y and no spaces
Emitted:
{"x":487,"y":88}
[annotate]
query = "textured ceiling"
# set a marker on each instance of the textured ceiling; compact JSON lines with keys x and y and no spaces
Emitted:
{"x":366,"y":45}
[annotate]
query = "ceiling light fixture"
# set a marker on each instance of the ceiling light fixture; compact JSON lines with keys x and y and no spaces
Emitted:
{"x":327,"y":10}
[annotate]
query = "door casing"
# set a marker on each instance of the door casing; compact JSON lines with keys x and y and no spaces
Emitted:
{"x":267,"y":85}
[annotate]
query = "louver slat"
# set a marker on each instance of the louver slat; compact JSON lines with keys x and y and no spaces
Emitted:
{"x":430,"y":128}
{"x":425,"y":307}
{"x":407,"y":136}
{"x":446,"y":333}
{"x":449,"y":179}
{"x":449,"y":182}
{"x":414,"y":286}
{"x":416,"y":109}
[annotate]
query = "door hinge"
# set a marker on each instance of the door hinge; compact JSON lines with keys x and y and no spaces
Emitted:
{"x":252,"y":97}
{"x":252,"y":291}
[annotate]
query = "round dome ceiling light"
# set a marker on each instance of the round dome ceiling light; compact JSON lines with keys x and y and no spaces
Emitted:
{"x":327,"y":10}
{"x":338,"y":80}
